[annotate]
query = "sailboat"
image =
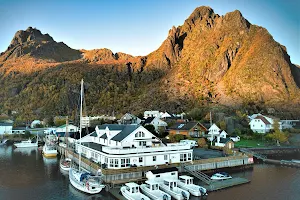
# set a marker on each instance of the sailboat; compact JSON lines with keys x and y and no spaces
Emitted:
{"x":65,"y":163}
{"x":79,"y":179}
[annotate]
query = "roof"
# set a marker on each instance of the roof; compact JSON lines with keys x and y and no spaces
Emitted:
{"x":151,"y":182}
{"x":19,"y":128}
{"x":104,"y":136}
{"x":263,"y":119}
{"x":127,"y":130}
{"x":225,"y":140}
{"x":186,"y":177}
{"x":148,"y":120}
{"x":185,"y":126}
{"x":165,"y":170}
{"x":131,"y":184}
{"x":94,"y":134}
{"x":92,"y":145}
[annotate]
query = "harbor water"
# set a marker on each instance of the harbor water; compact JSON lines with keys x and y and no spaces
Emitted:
{"x":25,"y":174}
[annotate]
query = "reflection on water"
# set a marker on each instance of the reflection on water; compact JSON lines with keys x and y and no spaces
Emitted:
{"x":26,"y":174}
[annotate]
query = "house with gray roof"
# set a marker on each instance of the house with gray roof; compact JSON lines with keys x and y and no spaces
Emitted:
{"x":126,"y":145}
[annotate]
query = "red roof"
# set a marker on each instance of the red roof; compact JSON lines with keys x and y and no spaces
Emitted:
{"x":262,"y":118}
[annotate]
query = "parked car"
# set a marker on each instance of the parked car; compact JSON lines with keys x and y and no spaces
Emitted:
{"x":193,"y":143}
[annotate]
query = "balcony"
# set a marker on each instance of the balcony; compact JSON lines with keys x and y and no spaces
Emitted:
{"x":169,"y":147}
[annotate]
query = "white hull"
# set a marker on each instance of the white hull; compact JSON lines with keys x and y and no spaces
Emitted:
{"x":155,"y":195}
{"x":49,"y":151}
{"x":176,"y":193}
{"x":25,"y":144}
{"x":81,"y":185}
{"x":65,"y":166}
{"x":135,"y":196}
{"x":193,"y":189}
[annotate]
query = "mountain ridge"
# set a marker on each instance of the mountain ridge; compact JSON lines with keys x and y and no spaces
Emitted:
{"x":209,"y":60}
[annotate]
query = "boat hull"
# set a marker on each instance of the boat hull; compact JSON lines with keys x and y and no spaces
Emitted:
{"x":81,"y":186}
{"x":175,"y":195}
{"x":136,"y":196}
{"x":65,"y":166}
{"x":49,"y":153}
{"x":25,"y":145}
{"x":193,"y":189}
{"x":159,"y":195}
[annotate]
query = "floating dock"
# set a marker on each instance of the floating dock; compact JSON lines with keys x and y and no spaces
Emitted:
{"x":218,"y":185}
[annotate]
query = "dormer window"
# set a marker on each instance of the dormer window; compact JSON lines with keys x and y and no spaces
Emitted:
{"x":140,"y":134}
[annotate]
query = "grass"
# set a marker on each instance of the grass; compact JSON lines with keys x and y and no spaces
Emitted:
{"x":251,"y":143}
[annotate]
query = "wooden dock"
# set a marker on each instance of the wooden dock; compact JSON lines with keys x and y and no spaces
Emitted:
{"x":218,"y":185}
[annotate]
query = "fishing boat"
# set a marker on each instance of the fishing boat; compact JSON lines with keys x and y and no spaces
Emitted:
{"x":220,"y":176}
{"x":170,"y":186}
{"x":131,"y":192}
{"x":151,"y":189}
{"x":79,"y":179}
{"x":186,"y":183}
{"x":49,"y":151}
{"x":27,"y":143}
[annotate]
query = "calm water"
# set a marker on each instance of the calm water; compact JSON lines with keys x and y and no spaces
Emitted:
{"x":25,"y":174}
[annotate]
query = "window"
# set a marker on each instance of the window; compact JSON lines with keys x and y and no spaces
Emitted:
{"x":143,"y":143}
{"x":116,"y":162}
{"x":127,"y":162}
{"x":189,"y":156}
{"x":71,"y":130}
{"x":111,"y":162}
{"x":143,"y":134}
{"x":106,"y":160}
{"x":140,"y":159}
{"x":183,"y":157}
{"x":173,"y":173}
{"x":136,"y":135}
{"x":154,"y":158}
{"x":166,"y":157}
{"x":122,"y":162}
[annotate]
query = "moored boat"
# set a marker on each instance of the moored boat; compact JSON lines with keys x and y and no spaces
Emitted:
{"x":220,"y":176}
{"x":131,"y":192}
{"x":26,"y":143}
{"x":65,"y":164}
{"x":170,"y":186}
{"x":49,"y":151}
{"x":85,"y":182}
{"x":186,"y":183}
{"x":151,"y":189}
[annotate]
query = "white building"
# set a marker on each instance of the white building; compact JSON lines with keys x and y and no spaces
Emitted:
{"x":261,"y":124}
{"x":86,"y":121}
{"x":129,"y":119}
{"x":61,"y":130}
{"x":151,"y":113}
{"x":213,"y":132}
{"x":164,"y":115}
{"x":5,"y":128}
{"x":157,"y":123}
{"x":288,"y":124}
{"x":123,"y":146}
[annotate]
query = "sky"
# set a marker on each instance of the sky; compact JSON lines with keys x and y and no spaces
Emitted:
{"x":138,"y":27}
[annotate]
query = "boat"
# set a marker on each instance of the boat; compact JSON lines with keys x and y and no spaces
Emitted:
{"x":79,"y":179}
{"x":170,"y":186}
{"x":65,"y":164}
{"x":3,"y":142}
{"x":131,"y":192}
{"x":151,"y":189}
{"x":220,"y":176}
{"x":295,"y":161}
{"x":49,"y":150}
{"x":27,"y":143}
{"x":186,"y":183}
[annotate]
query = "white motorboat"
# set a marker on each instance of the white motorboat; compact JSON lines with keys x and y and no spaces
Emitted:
{"x":65,"y":164}
{"x":78,"y":178}
{"x":170,"y":186}
{"x":220,"y":176}
{"x":131,"y":192}
{"x":151,"y":189}
{"x":26,"y":143}
{"x":49,"y":150}
{"x":3,"y":142}
{"x":85,"y":182}
{"x":186,"y":183}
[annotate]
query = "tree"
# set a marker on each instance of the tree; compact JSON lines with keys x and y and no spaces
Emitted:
{"x":278,"y":135}
{"x":176,"y":137}
{"x":222,"y":125}
{"x":151,"y":129}
{"x":27,"y":134}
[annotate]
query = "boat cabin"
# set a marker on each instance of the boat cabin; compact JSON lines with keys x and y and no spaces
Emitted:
{"x":171,"y":183}
{"x":186,"y":179}
{"x":152,"y":185}
{"x":159,"y":175}
{"x":132,"y":188}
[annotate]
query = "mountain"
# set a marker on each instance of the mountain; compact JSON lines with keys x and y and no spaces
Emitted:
{"x":210,"y":60}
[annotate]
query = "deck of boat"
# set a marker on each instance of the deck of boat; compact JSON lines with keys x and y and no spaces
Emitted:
{"x":217,"y":185}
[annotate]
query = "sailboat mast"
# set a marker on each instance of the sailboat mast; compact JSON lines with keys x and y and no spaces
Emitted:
{"x":80,"y":122}
{"x":66,"y":135}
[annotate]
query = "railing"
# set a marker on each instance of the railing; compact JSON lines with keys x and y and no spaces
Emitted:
{"x":112,"y":150}
{"x":200,"y":175}
{"x":257,"y":155}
